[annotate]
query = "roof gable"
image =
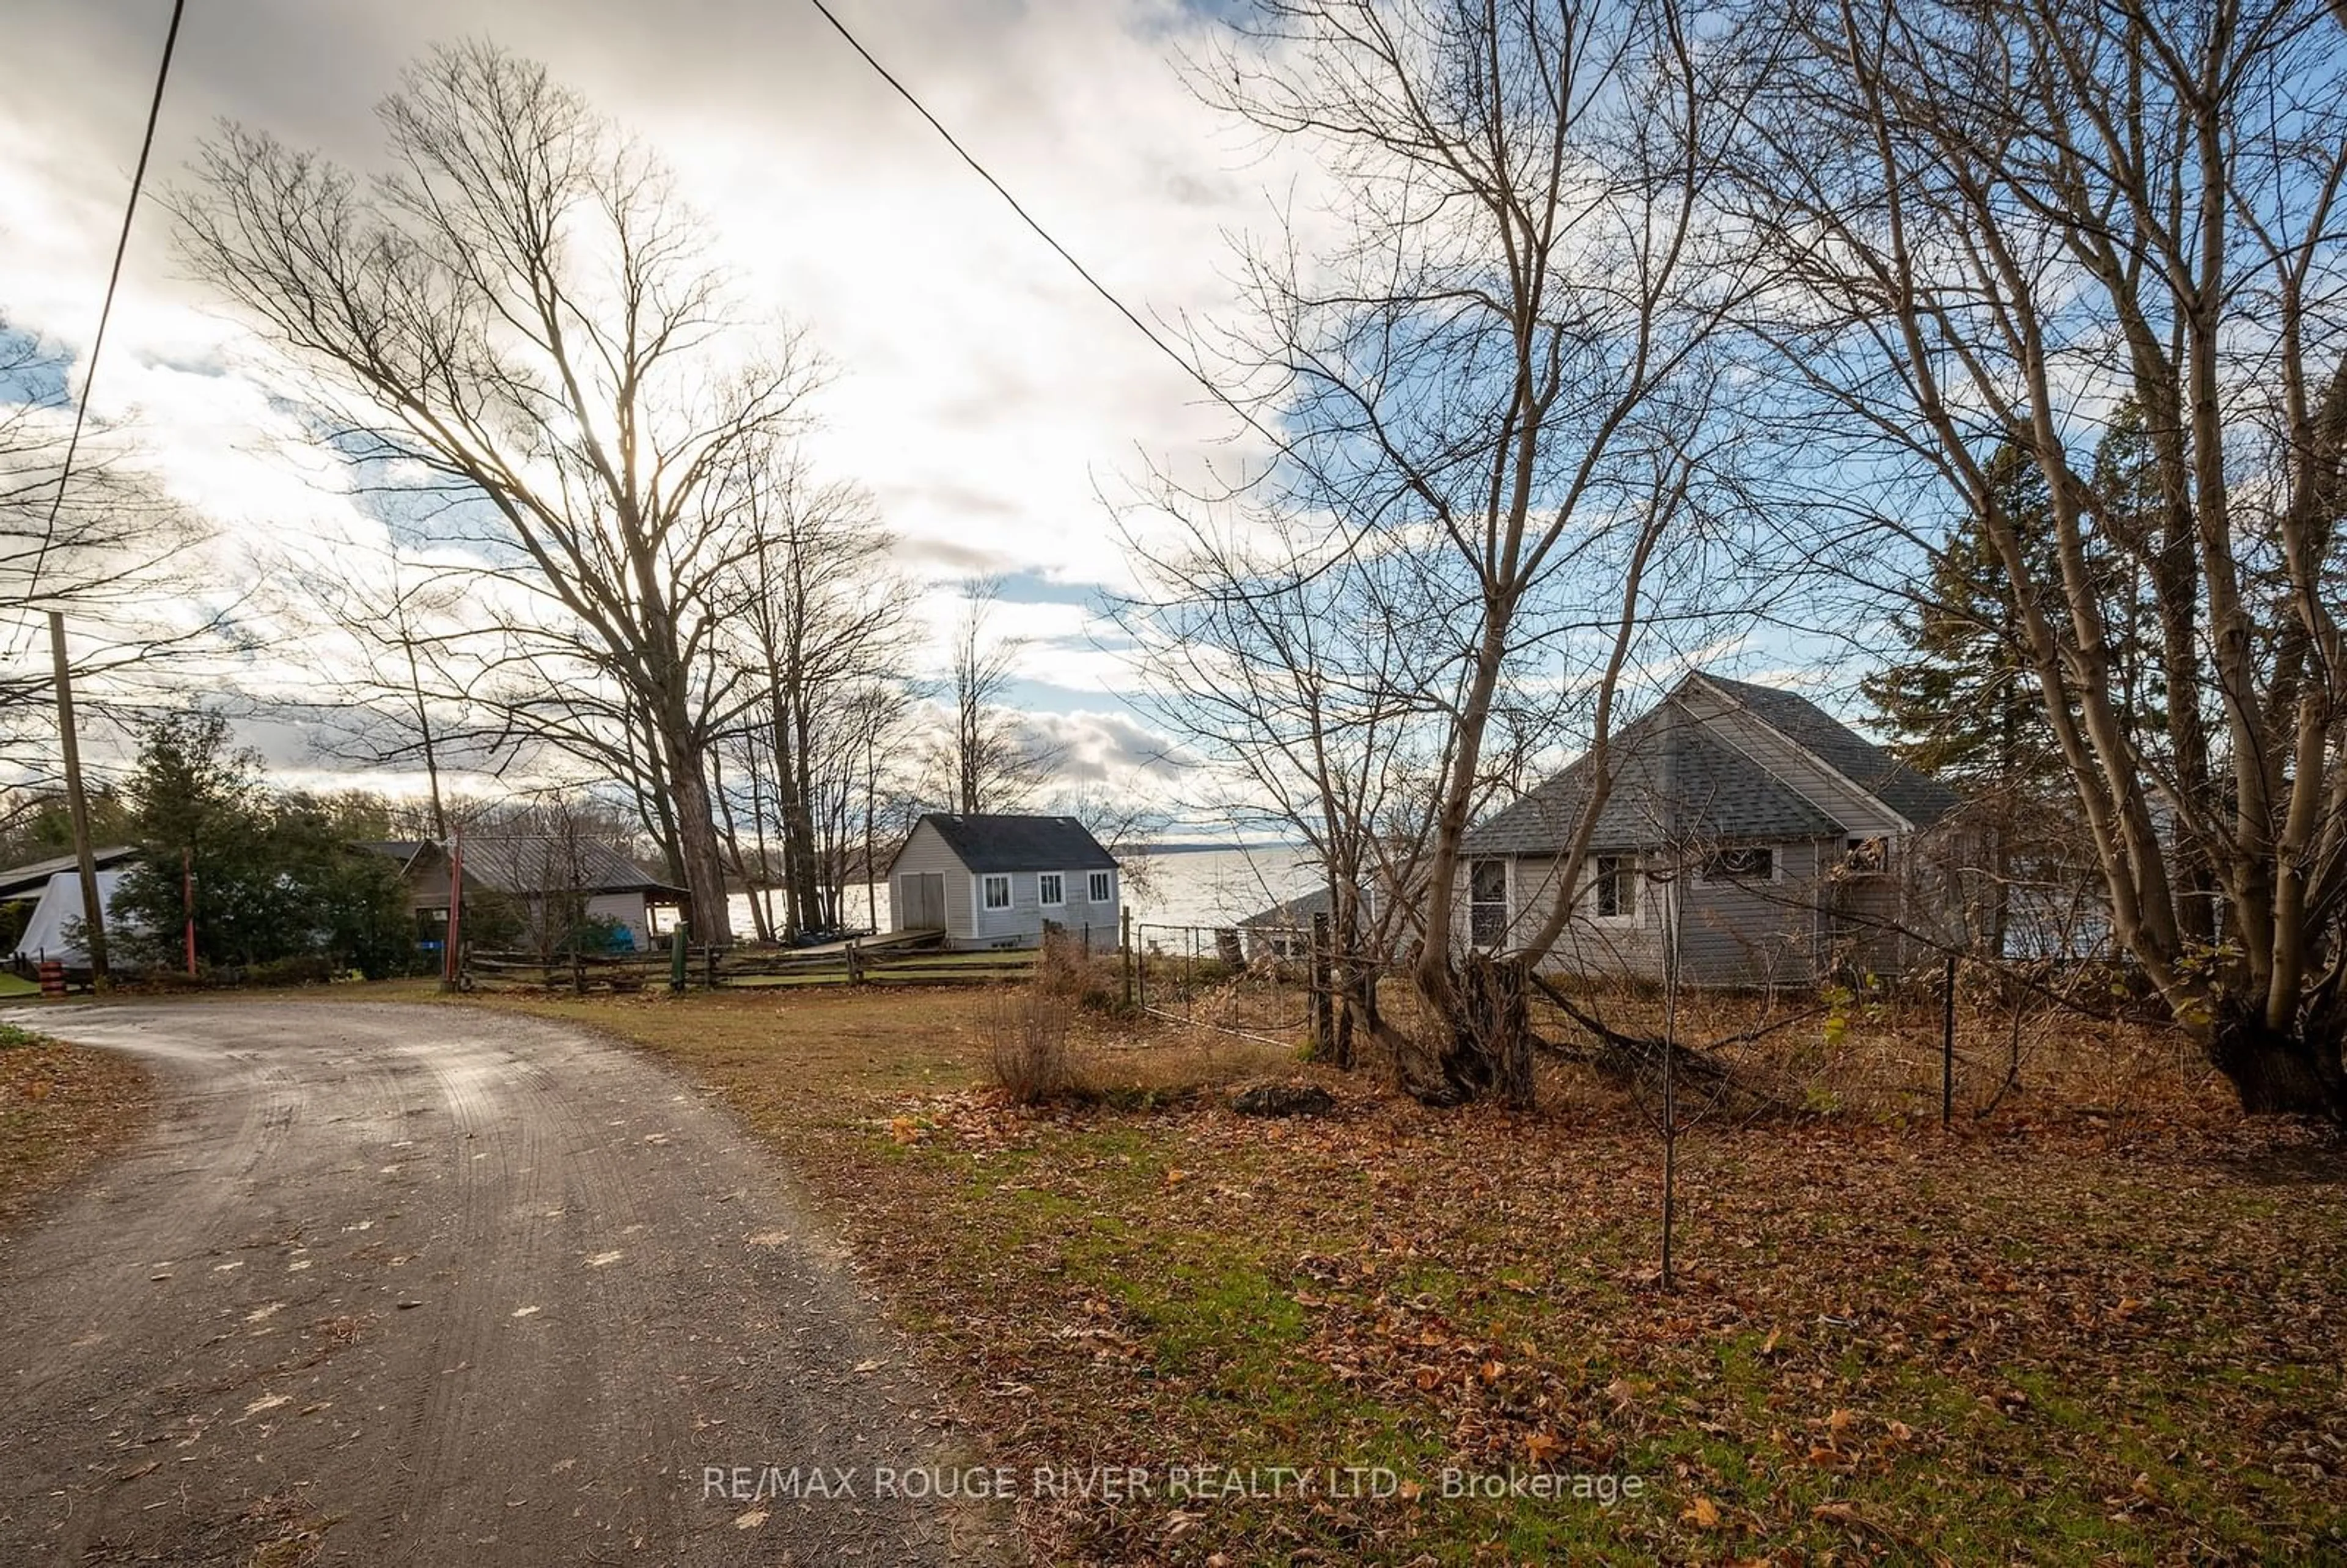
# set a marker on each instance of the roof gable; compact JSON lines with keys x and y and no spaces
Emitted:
{"x":541,"y":862}
{"x":1920,"y":798}
{"x":1673,"y":782}
{"x":1005,"y":843}
{"x":28,"y":881}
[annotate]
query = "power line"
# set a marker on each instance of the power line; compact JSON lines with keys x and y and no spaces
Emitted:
{"x":1144,"y":328}
{"x":106,"y":311}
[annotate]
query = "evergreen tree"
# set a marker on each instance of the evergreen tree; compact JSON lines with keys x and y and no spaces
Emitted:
{"x":1965,"y":706}
{"x":273,"y":878}
{"x":2127,"y":533}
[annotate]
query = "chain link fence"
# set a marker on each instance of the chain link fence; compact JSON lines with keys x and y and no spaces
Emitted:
{"x":1254,"y":982}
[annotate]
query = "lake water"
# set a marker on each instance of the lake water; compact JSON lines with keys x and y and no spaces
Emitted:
{"x":1178,"y":888}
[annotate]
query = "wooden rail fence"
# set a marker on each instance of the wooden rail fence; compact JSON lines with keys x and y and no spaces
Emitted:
{"x":709,"y":968}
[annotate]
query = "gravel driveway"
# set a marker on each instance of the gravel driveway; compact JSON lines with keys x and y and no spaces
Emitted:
{"x":430,"y":1285}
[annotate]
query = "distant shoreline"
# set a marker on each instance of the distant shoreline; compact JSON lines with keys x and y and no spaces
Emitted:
{"x":1198,"y":848}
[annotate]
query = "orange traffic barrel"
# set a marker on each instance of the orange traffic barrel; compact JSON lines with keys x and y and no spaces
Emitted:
{"x":53,"y":978}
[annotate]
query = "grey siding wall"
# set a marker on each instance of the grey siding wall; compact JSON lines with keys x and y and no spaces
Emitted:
{"x":1758,"y":934}
{"x":1023,"y":922}
{"x":1627,"y":947}
{"x":1729,"y":935}
{"x":1083,"y":915}
{"x":926,"y":852}
{"x":628,"y":909}
{"x":969,"y":924}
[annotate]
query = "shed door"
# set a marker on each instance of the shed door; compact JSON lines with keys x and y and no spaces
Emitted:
{"x":924,"y":896}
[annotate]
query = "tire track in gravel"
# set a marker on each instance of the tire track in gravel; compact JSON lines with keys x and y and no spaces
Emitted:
{"x":444,"y":1286}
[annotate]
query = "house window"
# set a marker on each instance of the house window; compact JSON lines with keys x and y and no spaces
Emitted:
{"x":995,"y":892}
{"x":1101,"y":888}
{"x":1867,"y":854}
{"x":1614,"y":890}
{"x":1487,"y":902}
{"x":1748,"y":863}
{"x":1051,"y":889}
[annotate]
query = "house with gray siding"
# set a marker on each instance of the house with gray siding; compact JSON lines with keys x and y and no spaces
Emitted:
{"x":995,"y":881}
{"x":1765,"y":840}
{"x":542,"y":878}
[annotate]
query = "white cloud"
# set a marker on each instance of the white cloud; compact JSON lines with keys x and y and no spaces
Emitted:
{"x":986,"y":394}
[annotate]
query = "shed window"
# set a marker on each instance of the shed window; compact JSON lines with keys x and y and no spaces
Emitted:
{"x":1867,"y":854}
{"x":995,"y":891}
{"x":1487,"y":902}
{"x":1051,"y":889}
{"x":1614,"y":890}
{"x":1103,"y":887}
{"x":1750,"y":863}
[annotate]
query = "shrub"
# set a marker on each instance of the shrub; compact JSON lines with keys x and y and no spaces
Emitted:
{"x":302,"y":969}
{"x":1027,"y":1038}
{"x":1063,"y":970}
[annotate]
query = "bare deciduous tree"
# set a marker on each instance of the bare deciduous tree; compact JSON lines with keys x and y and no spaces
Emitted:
{"x":1503,"y":361}
{"x":517,"y":311}
{"x":104,"y":545}
{"x":2006,"y":226}
{"x":822,"y":627}
{"x":987,"y":761}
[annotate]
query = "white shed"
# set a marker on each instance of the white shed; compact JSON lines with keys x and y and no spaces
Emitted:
{"x":54,"y":928}
{"x":994,"y":881}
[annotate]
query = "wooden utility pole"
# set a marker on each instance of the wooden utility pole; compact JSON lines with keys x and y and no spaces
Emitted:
{"x":452,"y":954}
{"x":77,"y":808}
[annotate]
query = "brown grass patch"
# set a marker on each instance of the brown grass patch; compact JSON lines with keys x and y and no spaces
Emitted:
{"x":63,"y":1108}
{"x":2088,"y":1327}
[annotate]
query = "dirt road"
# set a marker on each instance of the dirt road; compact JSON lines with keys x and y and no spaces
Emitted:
{"x":413,"y":1285}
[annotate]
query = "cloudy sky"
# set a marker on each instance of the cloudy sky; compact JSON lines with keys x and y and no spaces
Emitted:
{"x":986,"y":397}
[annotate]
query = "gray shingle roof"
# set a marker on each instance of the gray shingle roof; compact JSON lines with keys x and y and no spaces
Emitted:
{"x":1921,"y":799}
{"x":1020,"y":842}
{"x":28,"y":881}
{"x":1672,"y":783}
{"x":1296,"y":911}
{"x":538,"y":863}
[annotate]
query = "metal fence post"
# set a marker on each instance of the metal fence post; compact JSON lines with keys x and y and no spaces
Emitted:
{"x":1128,"y":959}
{"x":1319,"y":1005}
{"x":1948,"y":1048}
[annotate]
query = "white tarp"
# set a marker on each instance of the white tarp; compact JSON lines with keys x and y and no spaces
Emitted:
{"x":61,"y":906}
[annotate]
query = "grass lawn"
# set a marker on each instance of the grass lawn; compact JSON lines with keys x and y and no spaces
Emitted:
{"x":2055,"y":1337}
{"x":13,"y":985}
{"x":61,"y":1109}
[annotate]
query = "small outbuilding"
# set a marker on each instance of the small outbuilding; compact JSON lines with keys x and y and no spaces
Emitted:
{"x":995,"y":881}
{"x":27,"y":883}
{"x":550,"y":883}
{"x":53,"y":930}
{"x":1746,"y":829}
